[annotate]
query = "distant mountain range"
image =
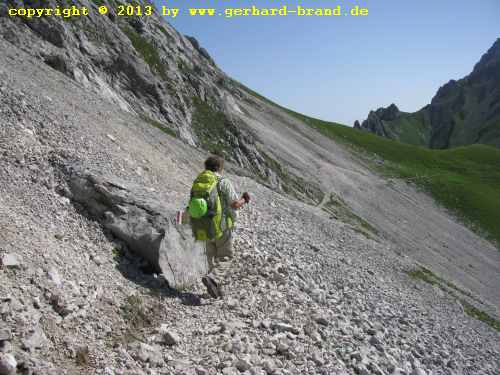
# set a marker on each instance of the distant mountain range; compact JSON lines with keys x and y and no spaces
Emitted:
{"x":462,"y":112}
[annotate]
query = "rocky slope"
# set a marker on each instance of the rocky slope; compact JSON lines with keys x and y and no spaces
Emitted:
{"x":86,"y":183}
{"x":145,"y":67}
{"x":463,"y":112}
{"x":305,"y":294}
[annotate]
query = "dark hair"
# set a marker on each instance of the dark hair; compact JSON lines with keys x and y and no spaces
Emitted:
{"x":214,"y":163}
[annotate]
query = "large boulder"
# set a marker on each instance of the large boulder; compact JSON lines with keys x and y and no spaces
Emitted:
{"x":144,"y":221}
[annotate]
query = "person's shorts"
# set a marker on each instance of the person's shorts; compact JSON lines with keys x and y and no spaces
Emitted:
{"x":223,"y":247}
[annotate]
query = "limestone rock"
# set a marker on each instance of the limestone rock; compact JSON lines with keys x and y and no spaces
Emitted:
{"x":11,"y":260}
{"x":8,"y":364}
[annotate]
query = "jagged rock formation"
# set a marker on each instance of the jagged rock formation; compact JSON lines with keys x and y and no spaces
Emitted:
{"x":375,"y":121}
{"x":463,"y":112}
{"x":143,"y":222}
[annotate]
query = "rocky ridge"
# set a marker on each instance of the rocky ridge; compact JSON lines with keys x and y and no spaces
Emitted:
{"x":462,"y":112}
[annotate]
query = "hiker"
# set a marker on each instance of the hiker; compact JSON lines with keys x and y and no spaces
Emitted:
{"x":213,"y":207}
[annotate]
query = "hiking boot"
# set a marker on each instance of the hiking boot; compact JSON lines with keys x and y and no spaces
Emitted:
{"x":211,"y":286}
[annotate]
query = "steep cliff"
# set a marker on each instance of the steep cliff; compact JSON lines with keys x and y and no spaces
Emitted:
{"x":462,"y":112}
{"x":144,"y":66}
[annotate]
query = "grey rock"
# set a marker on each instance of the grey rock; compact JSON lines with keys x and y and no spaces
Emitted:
{"x":5,"y":334}
{"x":269,"y":366}
{"x":52,"y":32}
{"x":54,"y":276}
{"x":283,"y":327}
{"x":398,"y":371}
{"x":317,"y":358}
{"x":321,"y":320}
{"x":242,"y":365}
{"x":60,"y":305}
{"x":60,"y":62}
{"x":11,"y":260}
{"x":36,"y":339}
{"x":230,"y":371}
{"x":139,"y":219}
{"x":232,"y":303}
{"x":375,"y":341}
{"x":170,"y":337}
{"x":201,"y":371}
{"x":8,"y":364}
{"x":375,"y":121}
{"x":148,"y":353}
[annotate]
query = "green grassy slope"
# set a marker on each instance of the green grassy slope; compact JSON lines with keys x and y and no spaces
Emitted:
{"x":466,"y":180}
{"x":412,"y":128}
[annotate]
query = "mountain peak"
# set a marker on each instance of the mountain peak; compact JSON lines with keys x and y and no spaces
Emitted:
{"x":490,"y":58}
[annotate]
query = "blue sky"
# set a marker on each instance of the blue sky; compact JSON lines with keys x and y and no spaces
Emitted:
{"x":339,"y":68}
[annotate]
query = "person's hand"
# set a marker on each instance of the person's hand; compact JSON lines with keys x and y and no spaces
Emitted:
{"x":246,"y":197}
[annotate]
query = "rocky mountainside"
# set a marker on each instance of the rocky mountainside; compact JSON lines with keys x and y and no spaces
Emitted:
{"x":374,"y":279}
{"x":463,"y":112}
{"x":145,"y":67}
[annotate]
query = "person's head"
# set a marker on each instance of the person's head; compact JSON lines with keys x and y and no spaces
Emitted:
{"x":214,"y":164}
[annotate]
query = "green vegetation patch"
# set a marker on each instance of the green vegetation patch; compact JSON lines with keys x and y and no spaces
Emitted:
{"x":465,"y":180}
{"x":160,"y":126}
{"x":134,"y":312}
{"x":210,"y":126}
{"x":429,"y":277}
{"x":425,"y":275}
{"x":412,"y":128}
{"x":336,"y":206}
{"x":293,"y":185}
{"x":480,"y":315}
{"x":146,"y":49}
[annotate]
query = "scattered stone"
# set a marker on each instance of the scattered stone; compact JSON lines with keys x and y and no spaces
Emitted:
{"x":242,"y":365}
{"x":36,"y":339}
{"x":8,"y":364}
{"x":201,"y":371}
{"x":59,"y":305}
{"x":147,"y":353}
{"x":55,"y":277}
{"x":169,"y":337}
{"x":283,"y":327}
{"x":82,"y":355}
{"x":317,"y":358}
{"x":5,"y":334}
{"x":321,"y":320}
{"x":11,"y":260}
{"x":418,"y":371}
{"x":232,"y":303}
{"x":230,"y":371}
{"x":98,"y":260}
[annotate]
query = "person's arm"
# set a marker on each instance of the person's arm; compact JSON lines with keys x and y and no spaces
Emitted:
{"x":237,"y":204}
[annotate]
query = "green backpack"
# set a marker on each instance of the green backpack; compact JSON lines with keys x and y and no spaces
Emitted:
{"x":205,"y":208}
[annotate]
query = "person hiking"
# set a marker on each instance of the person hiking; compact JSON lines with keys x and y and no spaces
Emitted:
{"x":213,"y":210}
